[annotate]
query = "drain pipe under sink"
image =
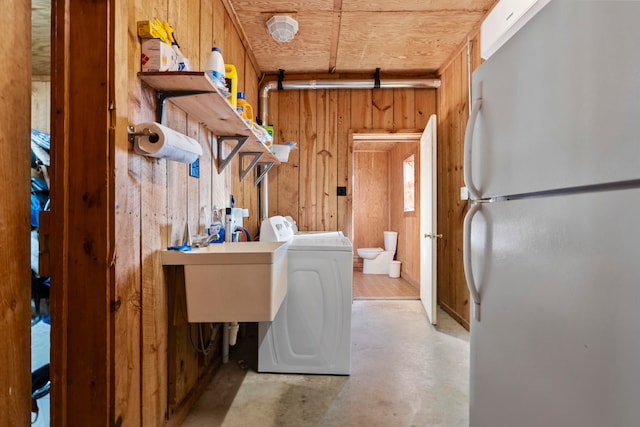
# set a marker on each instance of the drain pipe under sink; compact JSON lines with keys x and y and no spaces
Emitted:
{"x":407,"y":83}
{"x":229,"y":338}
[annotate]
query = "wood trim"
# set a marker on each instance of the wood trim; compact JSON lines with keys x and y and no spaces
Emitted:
{"x":453,"y":113}
{"x":473,"y":34}
{"x":14,"y":211}
{"x":81,"y":277}
{"x":59,"y":204}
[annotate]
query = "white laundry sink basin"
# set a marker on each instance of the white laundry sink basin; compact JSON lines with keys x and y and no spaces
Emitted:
{"x":233,"y":281}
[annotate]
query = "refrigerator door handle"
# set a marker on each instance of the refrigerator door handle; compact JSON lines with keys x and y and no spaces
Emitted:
{"x":468,"y":272}
{"x":468,"y":143}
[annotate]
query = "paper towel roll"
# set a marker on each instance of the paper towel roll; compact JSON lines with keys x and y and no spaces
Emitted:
{"x":171,"y":145}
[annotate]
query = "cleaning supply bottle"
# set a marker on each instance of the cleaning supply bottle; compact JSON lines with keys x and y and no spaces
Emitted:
{"x":216,"y":230}
{"x":183,"y":61}
{"x":231,"y":78}
{"x":248,"y":110}
{"x":215,"y":68}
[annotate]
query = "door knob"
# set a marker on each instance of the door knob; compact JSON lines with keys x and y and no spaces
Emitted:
{"x":433,"y":236}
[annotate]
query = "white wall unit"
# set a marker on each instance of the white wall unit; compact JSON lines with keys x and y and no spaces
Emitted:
{"x":506,"y":18}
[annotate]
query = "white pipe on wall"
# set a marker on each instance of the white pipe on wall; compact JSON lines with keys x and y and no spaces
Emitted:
{"x":408,"y":83}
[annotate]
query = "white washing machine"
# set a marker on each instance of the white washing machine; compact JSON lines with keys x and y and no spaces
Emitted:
{"x":311,"y":334}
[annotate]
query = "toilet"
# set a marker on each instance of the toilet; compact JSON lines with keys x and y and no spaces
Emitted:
{"x":378,"y":260}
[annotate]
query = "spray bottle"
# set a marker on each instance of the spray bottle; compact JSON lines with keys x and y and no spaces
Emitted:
{"x":183,"y":61}
{"x":216,"y":229}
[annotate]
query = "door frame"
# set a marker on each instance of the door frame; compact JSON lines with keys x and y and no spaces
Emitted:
{"x":385,"y":136}
{"x":15,"y":293}
{"x":82,"y":213}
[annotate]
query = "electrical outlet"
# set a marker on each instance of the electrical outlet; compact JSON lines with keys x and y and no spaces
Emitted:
{"x":194,"y":169}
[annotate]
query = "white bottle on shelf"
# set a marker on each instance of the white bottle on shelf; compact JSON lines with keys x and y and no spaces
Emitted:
{"x":215,"y":68}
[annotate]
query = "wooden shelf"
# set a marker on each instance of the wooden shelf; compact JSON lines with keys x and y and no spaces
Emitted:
{"x":194,"y":93}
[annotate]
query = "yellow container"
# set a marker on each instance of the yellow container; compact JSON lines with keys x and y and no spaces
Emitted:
{"x":147,"y":30}
{"x":152,"y":29}
{"x":231,"y":76}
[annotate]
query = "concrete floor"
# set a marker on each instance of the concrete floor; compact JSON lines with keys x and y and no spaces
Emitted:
{"x":404,"y":372}
{"x":40,"y":348}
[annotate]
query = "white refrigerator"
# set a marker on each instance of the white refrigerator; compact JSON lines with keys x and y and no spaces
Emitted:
{"x":552,"y":235}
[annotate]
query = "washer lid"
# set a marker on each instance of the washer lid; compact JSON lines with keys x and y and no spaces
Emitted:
{"x":321,"y":243}
{"x":307,"y":234}
{"x":276,"y":229}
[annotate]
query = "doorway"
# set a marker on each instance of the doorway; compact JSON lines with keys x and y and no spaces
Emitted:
{"x":40,"y":184}
{"x":378,"y":206}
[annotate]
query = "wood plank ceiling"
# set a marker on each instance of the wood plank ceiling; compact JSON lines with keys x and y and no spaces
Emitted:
{"x":346,"y":36}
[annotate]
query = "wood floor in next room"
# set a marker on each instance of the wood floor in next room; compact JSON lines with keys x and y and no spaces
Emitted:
{"x":381,"y":286}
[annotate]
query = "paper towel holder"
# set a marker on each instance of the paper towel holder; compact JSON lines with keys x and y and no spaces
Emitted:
{"x":153,"y":137}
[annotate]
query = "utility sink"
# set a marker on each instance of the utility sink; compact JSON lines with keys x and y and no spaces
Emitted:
{"x":233,"y":281}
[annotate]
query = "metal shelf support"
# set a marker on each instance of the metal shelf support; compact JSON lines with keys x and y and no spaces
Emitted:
{"x":224,"y":161}
{"x":162,"y":96}
{"x":256,"y":156}
{"x":265,"y":168}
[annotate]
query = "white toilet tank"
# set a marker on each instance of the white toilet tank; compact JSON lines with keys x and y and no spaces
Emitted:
{"x":390,"y":241}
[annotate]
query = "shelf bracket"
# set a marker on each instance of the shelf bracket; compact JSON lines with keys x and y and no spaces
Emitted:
{"x":224,"y":161}
{"x":162,"y":96}
{"x":256,"y":156}
{"x":259,"y":175}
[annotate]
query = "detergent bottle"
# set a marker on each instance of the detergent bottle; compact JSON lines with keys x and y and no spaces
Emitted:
{"x":246,"y":107}
{"x":215,"y":68}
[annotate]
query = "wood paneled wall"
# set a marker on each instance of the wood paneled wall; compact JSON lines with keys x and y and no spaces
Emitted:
{"x":407,"y":224}
{"x":321,"y":122}
{"x":156,"y":198}
{"x":146,"y":371}
{"x":453,"y":112}
{"x":372,"y":204}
